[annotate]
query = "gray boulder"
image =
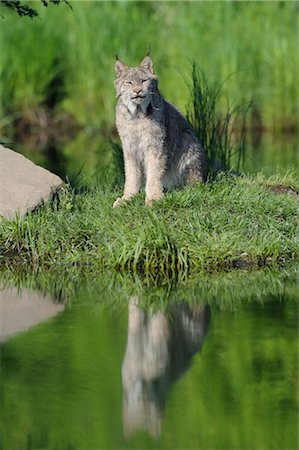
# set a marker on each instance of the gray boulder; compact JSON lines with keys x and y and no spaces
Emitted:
{"x":23,"y":184}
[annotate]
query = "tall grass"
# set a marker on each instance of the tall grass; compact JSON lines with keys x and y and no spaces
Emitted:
{"x":28,"y":62}
{"x":224,"y":150}
{"x":257,"y":41}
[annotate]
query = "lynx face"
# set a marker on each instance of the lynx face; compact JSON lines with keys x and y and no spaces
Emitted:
{"x":136,"y":86}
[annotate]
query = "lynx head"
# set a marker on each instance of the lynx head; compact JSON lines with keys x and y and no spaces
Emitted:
{"x":136,"y":86}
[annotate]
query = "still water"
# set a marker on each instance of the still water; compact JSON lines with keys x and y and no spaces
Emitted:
{"x":211,"y":365}
{"x":91,"y":154}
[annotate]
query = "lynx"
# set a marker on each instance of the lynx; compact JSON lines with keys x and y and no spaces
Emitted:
{"x":160,"y":148}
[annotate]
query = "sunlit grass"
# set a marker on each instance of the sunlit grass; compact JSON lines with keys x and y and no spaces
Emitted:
{"x":225,"y":149}
{"x":231,"y":222}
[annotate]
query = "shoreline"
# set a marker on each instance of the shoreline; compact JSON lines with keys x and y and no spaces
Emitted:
{"x":230,"y":223}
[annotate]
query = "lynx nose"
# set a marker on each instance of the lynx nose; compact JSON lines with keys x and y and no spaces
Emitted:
{"x":137,"y":91}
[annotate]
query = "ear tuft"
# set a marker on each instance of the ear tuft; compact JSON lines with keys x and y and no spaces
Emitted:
{"x":147,"y":64}
{"x":120,"y":68}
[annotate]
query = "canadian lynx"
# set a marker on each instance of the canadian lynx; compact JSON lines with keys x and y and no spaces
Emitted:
{"x":160,"y":148}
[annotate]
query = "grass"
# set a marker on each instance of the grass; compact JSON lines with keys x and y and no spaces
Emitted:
{"x":228,"y":223}
{"x":67,"y":55}
{"x":215,"y":130}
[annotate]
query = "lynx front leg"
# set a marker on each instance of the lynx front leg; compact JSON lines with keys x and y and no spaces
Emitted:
{"x":133,"y":181}
{"x":154,"y":175}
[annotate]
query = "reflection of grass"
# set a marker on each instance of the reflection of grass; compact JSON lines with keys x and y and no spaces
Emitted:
{"x":72,"y":52}
{"x":236,"y":389}
{"x":270,"y":151}
{"x":241,"y":401}
{"x":231,"y":222}
{"x":221,"y":290}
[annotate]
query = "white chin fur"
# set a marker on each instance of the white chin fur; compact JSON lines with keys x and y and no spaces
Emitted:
{"x":132,"y":107}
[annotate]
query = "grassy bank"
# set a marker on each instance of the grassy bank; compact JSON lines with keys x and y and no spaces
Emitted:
{"x":64,"y":61}
{"x":231,"y":222}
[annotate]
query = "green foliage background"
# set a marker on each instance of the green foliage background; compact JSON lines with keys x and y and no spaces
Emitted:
{"x":68,"y":54}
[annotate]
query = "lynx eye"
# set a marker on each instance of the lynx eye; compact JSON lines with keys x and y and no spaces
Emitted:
{"x":128,"y":82}
{"x":143,"y":81}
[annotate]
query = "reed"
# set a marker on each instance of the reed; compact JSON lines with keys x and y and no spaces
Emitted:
{"x":225,"y":149}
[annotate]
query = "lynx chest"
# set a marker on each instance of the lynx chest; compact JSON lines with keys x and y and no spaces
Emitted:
{"x":140,"y":134}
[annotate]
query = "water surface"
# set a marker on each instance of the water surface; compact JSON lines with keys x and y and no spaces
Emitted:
{"x":91,"y":155}
{"x":203,"y":368}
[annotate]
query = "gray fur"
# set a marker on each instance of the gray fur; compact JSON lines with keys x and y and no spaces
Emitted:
{"x":160,"y":148}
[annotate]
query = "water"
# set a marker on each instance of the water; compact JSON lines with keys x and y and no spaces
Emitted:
{"x":211,"y":364}
{"x":90,"y":155}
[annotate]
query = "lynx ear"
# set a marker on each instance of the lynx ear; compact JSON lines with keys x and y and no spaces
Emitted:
{"x":120,"y":68}
{"x":147,"y":64}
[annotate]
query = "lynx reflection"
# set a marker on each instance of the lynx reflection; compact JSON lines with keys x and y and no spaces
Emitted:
{"x":159,"y":349}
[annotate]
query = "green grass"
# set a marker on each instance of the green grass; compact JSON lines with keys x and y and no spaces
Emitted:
{"x":216,"y":130}
{"x":230,"y":222}
{"x":68,"y":54}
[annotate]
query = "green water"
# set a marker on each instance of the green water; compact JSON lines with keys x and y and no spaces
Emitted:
{"x":210,"y":364}
{"x":92,"y":156}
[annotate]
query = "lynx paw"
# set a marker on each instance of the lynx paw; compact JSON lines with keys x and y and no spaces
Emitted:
{"x":150,"y":200}
{"x":119,"y":201}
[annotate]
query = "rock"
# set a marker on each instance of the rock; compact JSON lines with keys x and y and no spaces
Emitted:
{"x":23,"y":184}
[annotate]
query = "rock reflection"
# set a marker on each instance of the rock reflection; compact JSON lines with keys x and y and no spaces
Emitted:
{"x":20,"y":309}
{"x":159,"y":349}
